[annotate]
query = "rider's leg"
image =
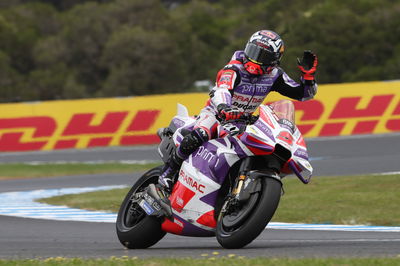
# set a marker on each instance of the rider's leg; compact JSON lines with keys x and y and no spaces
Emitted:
{"x":205,"y":129}
{"x":188,"y":145}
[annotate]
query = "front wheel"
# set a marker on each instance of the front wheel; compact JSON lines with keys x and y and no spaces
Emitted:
{"x":236,"y":229}
{"x":135,"y":229}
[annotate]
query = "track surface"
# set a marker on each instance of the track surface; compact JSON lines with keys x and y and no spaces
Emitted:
{"x":30,"y":238}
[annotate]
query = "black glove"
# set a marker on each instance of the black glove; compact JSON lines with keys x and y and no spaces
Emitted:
{"x":308,"y":65}
{"x":227,"y":112}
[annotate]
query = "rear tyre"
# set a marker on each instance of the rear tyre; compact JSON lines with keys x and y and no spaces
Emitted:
{"x":135,"y":229}
{"x":242,"y":226}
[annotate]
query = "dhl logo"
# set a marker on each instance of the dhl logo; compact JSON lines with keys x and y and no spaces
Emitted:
{"x":134,"y":122}
{"x":34,"y":133}
{"x":381,"y":114}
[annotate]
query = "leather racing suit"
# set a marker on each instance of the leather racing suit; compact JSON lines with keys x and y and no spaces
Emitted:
{"x":236,"y":87}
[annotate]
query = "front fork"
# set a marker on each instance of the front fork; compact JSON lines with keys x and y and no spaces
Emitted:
{"x":244,"y":169}
{"x":240,"y":192}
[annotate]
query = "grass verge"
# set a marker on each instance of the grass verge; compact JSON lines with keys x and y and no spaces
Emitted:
{"x":368,"y":200}
{"x":18,"y":171}
{"x":214,"y":261}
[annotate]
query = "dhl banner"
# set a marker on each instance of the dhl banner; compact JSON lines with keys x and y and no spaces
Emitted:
{"x":337,"y":110}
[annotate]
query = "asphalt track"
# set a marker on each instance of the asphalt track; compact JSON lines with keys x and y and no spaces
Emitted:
{"x":36,"y":238}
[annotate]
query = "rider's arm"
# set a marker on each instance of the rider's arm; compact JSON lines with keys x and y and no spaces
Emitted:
{"x":302,"y":91}
{"x":227,"y":79}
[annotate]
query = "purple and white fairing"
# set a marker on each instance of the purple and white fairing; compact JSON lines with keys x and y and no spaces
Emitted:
{"x":204,"y":171}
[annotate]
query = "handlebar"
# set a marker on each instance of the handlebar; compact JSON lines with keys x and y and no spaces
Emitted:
{"x":237,"y":126}
{"x":247,"y":119}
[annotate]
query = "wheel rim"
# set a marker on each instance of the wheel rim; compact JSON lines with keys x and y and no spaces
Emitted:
{"x":133,"y":214}
{"x":236,"y":216}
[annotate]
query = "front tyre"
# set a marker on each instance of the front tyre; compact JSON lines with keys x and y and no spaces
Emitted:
{"x":237,"y":232}
{"x":135,"y":229}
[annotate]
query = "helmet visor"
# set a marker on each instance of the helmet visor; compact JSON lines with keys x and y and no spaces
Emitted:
{"x":260,"y":55}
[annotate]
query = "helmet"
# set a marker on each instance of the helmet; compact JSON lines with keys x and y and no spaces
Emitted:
{"x":263,"y":52}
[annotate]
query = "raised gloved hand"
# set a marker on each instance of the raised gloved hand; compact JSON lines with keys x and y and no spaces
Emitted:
{"x":227,"y":112}
{"x":308,"y":65}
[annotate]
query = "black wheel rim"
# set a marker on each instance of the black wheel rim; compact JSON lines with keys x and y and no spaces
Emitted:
{"x":237,"y":215}
{"x":133,"y":214}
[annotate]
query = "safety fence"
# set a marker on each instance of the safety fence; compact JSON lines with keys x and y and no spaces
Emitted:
{"x":337,"y":110}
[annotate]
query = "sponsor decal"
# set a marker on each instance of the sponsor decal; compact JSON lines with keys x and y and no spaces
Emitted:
{"x":146,"y":207}
{"x":179,"y":202}
{"x":301,"y":153}
{"x":348,"y":116}
{"x":191,"y":182}
{"x":263,"y":127}
{"x":179,"y":223}
{"x":268,"y":33}
{"x":35,"y":133}
{"x":286,"y":124}
{"x":181,"y":196}
{"x":178,"y":122}
{"x":251,"y":88}
{"x":226,"y":79}
{"x":247,"y":99}
{"x":205,"y":154}
{"x":245,"y":106}
{"x":264,"y":116}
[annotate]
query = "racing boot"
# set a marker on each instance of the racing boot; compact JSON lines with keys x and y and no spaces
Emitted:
{"x":168,"y":177}
{"x":166,"y":182}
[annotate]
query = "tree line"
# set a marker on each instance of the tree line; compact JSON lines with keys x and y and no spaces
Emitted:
{"x":54,"y":49}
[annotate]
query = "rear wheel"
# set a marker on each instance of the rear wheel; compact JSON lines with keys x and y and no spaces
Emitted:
{"x":242,"y":223}
{"x":135,"y":229}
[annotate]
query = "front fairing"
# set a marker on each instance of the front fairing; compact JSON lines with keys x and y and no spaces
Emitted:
{"x":263,"y":136}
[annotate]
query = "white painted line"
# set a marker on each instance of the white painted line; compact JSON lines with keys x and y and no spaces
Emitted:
{"x":350,"y":137}
{"x":331,"y":240}
{"x":333,"y":227}
{"x":22,"y":204}
{"x":388,"y":173}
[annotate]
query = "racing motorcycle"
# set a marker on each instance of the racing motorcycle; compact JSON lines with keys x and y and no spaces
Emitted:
{"x":229,"y":187}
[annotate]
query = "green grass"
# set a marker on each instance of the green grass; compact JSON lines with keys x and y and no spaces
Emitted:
{"x":231,"y":260}
{"x":14,"y":171}
{"x":368,"y":200}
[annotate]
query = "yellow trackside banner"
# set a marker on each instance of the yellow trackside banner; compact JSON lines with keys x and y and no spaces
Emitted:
{"x":337,"y":110}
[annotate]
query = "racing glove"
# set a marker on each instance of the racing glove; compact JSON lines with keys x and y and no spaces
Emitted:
{"x":227,"y":112}
{"x":308,"y":65}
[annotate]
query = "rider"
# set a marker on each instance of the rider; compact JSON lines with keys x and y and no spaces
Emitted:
{"x":241,"y":86}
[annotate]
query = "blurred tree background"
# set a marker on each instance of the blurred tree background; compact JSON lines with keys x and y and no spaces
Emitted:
{"x":59,"y":49}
